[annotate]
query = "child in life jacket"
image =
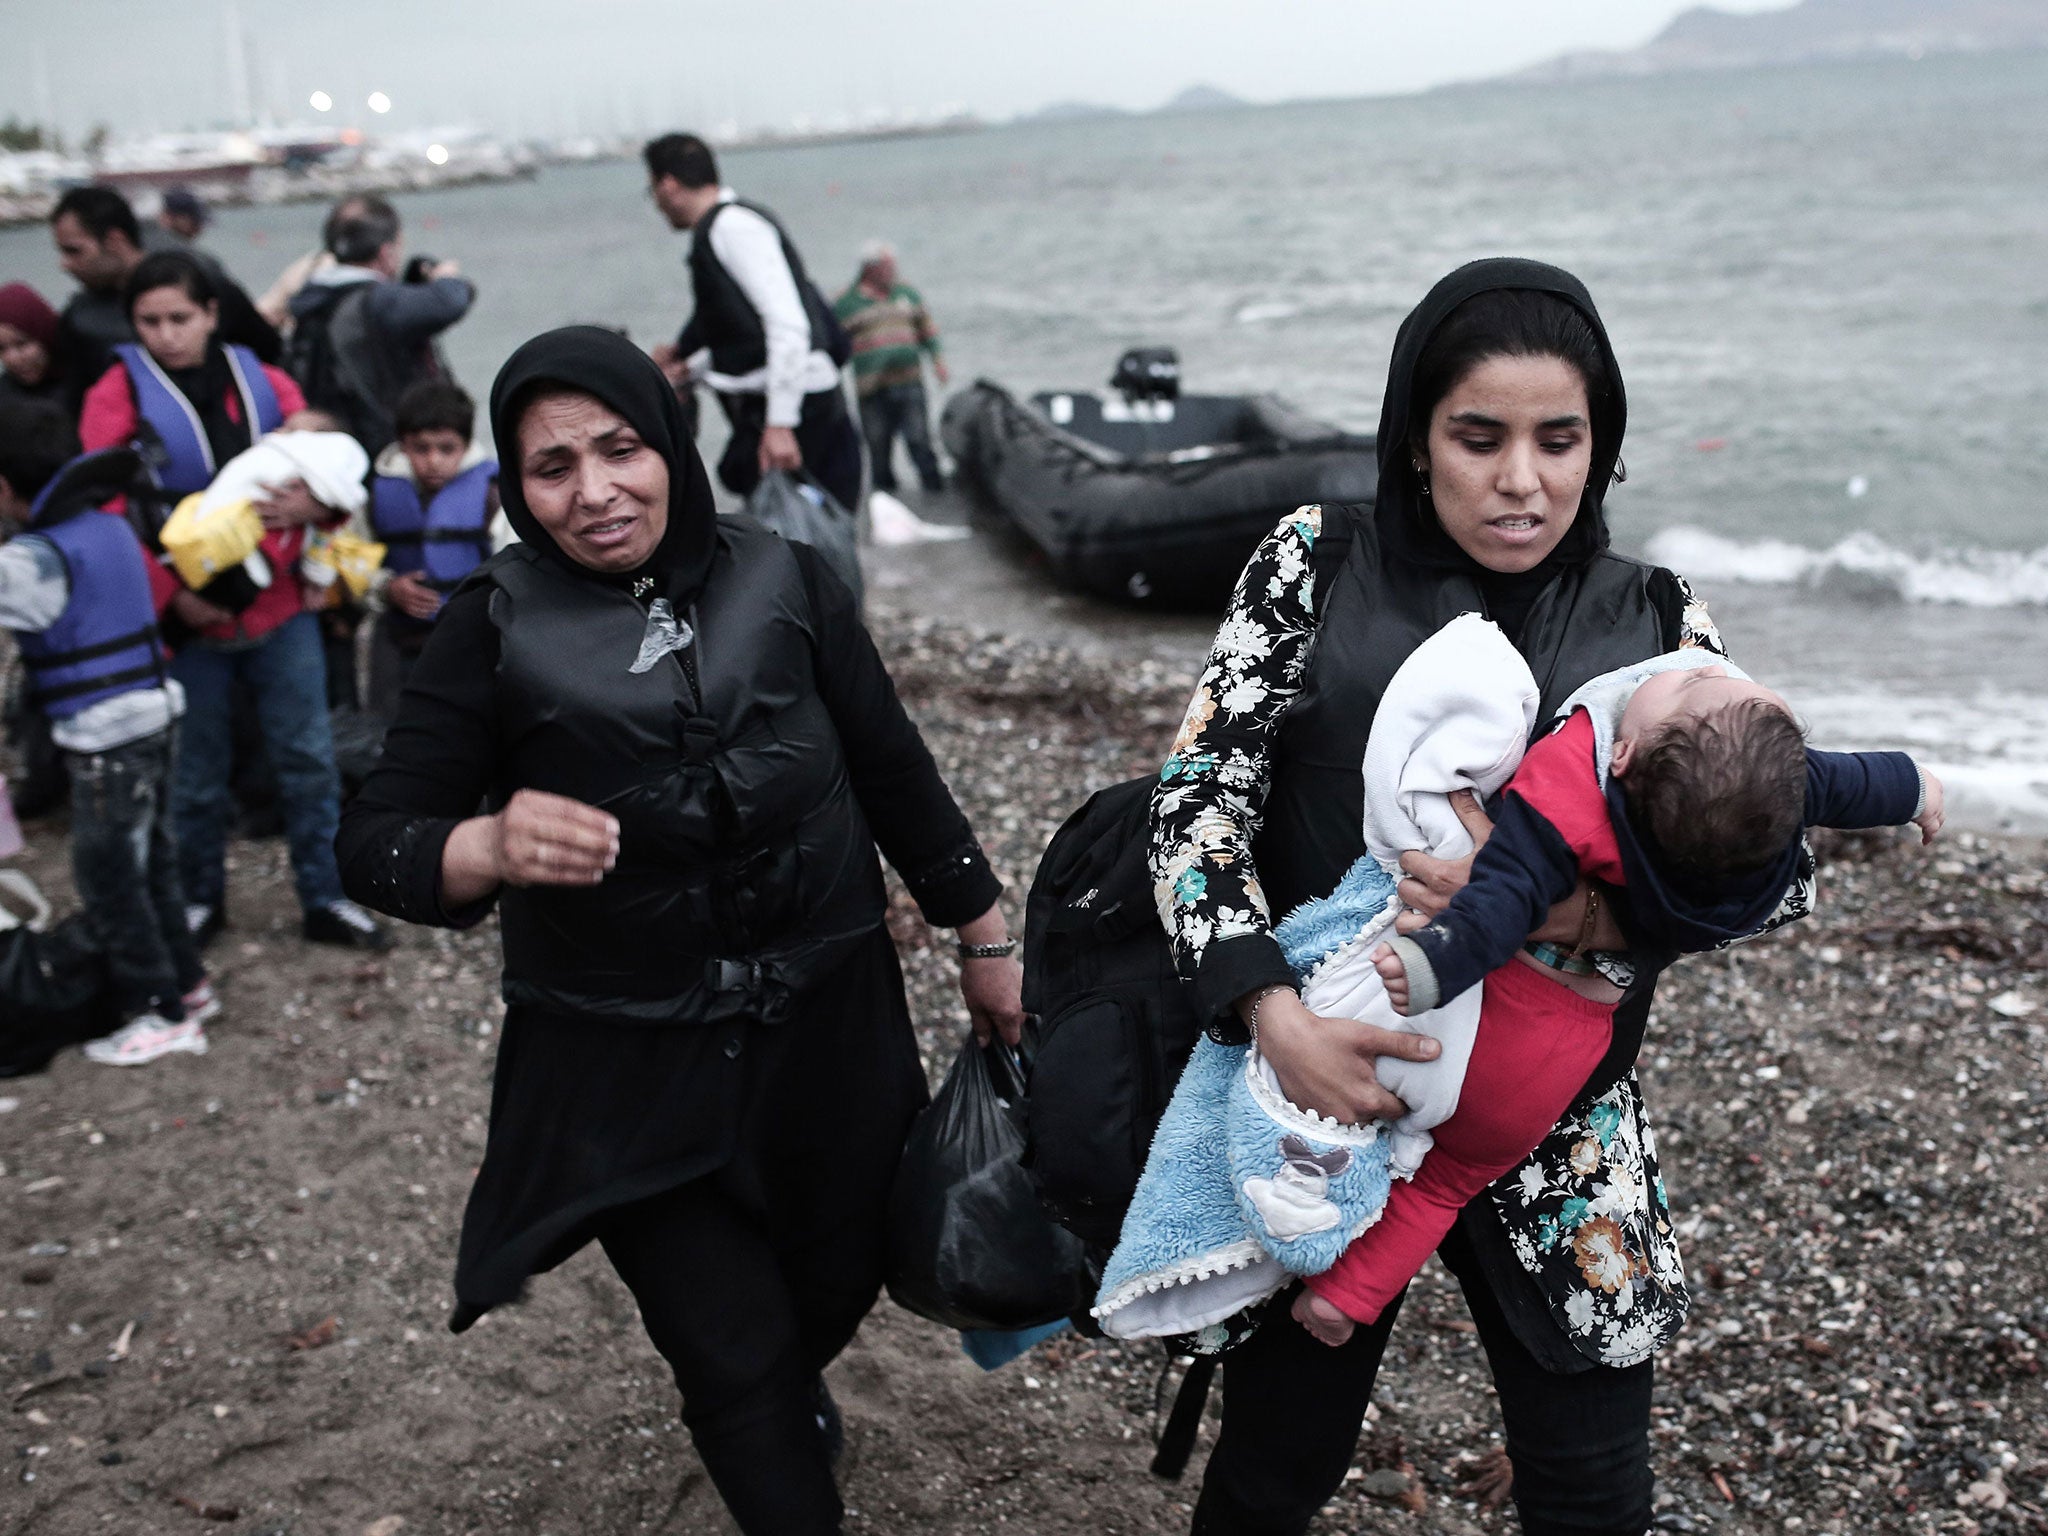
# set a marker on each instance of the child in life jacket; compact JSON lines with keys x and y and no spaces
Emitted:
{"x":434,"y":508}
{"x":1680,"y":782}
{"x":74,"y":589}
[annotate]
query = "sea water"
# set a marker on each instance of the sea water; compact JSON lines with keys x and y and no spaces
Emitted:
{"x":1826,"y":287}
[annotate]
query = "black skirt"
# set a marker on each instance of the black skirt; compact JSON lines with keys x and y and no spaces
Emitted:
{"x":588,"y":1115}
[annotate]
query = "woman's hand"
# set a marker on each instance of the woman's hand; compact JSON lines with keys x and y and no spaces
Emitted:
{"x":537,"y":839}
{"x":1428,"y":884}
{"x":1326,"y":1065}
{"x":197,"y":611}
{"x":992,"y":989}
{"x":290,"y":506}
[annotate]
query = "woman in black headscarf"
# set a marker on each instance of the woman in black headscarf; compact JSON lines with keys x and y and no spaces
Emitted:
{"x":689,"y":750}
{"x":1499,"y":436}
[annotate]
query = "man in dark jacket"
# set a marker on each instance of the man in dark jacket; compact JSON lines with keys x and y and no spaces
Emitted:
{"x":99,"y":242}
{"x":362,"y":336}
{"x":762,"y":335}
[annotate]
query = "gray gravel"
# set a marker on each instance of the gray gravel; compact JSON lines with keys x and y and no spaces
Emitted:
{"x":1852,"y":1118}
{"x":1852,"y":1113}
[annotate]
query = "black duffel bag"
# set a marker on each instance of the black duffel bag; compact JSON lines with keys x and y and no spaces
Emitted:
{"x":968,"y":1243}
{"x":53,"y":993}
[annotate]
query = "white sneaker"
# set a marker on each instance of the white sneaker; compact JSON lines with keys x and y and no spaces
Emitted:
{"x":202,"y":1004}
{"x":143,"y":1039}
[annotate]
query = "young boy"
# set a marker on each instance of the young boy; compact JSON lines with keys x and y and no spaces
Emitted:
{"x":434,"y":506}
{"x":1683,"y":783}
{"x":75,"y":590}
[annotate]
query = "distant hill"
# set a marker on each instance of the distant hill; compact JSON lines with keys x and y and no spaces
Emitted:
{"x":1070,"y":112}
{"x":1813,"y":31}
{"x":1196,"y":98}
{"x":1203,"y":98}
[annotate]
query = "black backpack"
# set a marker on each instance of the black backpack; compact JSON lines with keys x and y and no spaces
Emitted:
{"x":342,"y":367}
{"x":1116,"y":1023}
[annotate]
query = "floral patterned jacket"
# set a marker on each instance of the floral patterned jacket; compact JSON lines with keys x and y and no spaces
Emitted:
{"x":1586,"y":1214}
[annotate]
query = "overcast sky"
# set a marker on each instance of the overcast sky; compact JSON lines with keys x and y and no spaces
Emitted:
{"x":551,"y":66}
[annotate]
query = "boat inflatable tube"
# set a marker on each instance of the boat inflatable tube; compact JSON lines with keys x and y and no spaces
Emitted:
{"x":1155,"y":501}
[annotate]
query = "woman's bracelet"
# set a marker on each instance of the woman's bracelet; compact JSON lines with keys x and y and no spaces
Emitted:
{"x":986,"y":951}
{"x":1251,"y":1014}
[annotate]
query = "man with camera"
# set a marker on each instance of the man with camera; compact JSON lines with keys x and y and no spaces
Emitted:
{"x":364,"y":328}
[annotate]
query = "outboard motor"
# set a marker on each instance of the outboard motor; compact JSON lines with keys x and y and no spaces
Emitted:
{"x":1147,"y":373}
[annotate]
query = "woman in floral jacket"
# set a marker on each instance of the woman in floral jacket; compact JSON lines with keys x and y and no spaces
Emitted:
{"x":1499,"y":436}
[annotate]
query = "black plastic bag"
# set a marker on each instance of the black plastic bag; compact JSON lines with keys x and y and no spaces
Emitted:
{"x":53,"y":993}
{"x":968,"y":1243}
{"x":804,"y":512}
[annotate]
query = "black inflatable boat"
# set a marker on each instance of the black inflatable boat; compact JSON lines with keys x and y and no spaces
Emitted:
{"x":1149,"y":495}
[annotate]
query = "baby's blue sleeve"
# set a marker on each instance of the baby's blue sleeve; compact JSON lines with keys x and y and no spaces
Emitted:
{"x":1861,"y":789}
{"x":1525,"y":869}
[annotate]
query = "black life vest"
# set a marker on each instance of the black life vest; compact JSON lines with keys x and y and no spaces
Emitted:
{"x":726,"y":317}
{"x":746,"y":869}
{"x":1592,"y":618}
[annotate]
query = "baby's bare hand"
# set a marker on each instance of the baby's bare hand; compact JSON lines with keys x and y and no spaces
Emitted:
{"x":1395,"y":975}
{"x":1932,"y":814}
{"x":1321,"y":1318}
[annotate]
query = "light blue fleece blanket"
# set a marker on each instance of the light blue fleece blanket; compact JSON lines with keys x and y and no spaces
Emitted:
{"x":1221,"y":1221}
{"x":1243,"y":1190}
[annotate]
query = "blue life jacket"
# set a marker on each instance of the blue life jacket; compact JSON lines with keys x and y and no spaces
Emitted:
{"x":168,"y":430}
{"x":443,"y":541}
{"x":104,"y":643}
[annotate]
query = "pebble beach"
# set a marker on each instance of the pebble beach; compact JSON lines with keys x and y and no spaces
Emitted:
{"x":223,"y":1280}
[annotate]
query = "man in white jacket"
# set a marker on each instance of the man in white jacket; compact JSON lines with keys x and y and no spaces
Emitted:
{"x":762,"y":335}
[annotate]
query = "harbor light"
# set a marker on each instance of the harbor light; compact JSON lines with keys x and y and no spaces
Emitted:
{"x":379,"y":102}
{"x":437,"y":154}
{"x":322,"y":102}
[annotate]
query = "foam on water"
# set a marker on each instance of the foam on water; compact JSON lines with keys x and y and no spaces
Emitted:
{"x":1989,"y":747}
{"x":1972,"y":578}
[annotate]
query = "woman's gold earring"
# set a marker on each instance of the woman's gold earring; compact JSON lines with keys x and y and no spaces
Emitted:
{"x":1422,"y":475}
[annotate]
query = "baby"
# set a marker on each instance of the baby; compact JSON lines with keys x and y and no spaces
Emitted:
{"x":1680,"y":781}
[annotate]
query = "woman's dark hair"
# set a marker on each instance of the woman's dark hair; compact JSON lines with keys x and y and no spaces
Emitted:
{"x":683,"y":156}
{"x":169,"y":269}
{"x":1507,"y":322}
{"x":435,"y":405}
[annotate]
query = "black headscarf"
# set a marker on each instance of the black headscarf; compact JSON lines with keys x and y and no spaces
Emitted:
{"x":206,"y":386}
{"x":604,"y":364}
{"x":1407,"y":524}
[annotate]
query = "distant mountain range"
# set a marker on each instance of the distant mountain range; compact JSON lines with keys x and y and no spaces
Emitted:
{"x":1196,"y":98}
{"x":1813,"y":31}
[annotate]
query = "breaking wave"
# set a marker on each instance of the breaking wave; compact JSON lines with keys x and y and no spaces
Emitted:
{"x":1972,"y":578}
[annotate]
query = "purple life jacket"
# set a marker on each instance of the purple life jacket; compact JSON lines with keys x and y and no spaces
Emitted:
{"x":169,"y":434}
{"x":442,"y":541}
{"x":105,"y":642}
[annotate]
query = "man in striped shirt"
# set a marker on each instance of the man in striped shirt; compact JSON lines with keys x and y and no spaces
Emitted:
{"x":892,"y":333}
